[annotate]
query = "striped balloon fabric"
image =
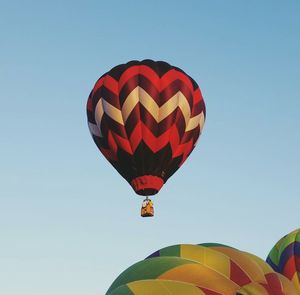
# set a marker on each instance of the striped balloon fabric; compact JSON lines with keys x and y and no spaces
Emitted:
{"x":285,"y":257}
{"x":210,"y":269}
{"x":145,"y":117}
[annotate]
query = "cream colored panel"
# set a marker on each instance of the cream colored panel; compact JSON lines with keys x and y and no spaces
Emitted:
{"x":168,"y":107}
{"x":130,"y":102}
{"x":185,"y":108}
{"x":149,"y":104}
{"x":193,"y":123}
{"x":99,"y":112}
{"x":159,"y":114}
{"x":95,"y":130}
{"x":113,"y":112}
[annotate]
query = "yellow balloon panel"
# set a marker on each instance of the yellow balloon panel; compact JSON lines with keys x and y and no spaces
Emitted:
{"x":245,"y":262}
{"x":266,"y":268}
{"x":289,"y":288}
{"x":151,"y":287}
{"x":253,"y":289}
{"x":207,"y":256}
{"x":201,"y":276}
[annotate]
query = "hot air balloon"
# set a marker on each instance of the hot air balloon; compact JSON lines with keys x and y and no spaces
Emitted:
{"x":285,"y":257}
{"x":210,"y":269}
{"x":146,"y":117}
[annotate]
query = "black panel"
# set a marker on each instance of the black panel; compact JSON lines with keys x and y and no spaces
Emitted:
{"x":145,"y":162}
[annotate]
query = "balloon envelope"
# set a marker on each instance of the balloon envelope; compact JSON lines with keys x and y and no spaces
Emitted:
{"x":285,"y":257}
{"x":210,"y":269}
{"x":145,"y":117}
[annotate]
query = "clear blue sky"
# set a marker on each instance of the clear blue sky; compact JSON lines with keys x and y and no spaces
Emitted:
{"x":69,"y":224}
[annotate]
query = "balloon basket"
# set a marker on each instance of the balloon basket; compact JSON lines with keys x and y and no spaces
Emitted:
{"x":147,"y":209}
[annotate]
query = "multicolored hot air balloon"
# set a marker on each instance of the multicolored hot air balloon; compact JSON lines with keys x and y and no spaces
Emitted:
{"x":146,"y":117}
{"x":285,"y":257}
{"x":207,"y":269}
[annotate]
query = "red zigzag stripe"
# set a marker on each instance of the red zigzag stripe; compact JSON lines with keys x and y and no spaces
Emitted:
{"x":158,"y":84}
{"x":154,"y":143}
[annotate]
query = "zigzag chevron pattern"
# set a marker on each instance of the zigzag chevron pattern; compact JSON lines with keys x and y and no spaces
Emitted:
{"x":146,"y":117}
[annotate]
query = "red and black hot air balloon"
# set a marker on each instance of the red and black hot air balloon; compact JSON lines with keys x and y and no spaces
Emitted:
{"x":146,"y":117}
